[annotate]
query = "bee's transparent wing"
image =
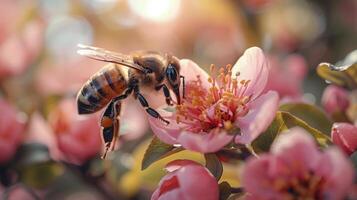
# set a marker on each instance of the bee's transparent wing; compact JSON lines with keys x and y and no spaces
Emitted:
{"x":108,"y":56}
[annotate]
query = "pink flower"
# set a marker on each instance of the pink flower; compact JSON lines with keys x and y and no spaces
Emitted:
{"x":296,"y":169}
{"x":11,"y":131}
{"x":20,"y":41}
{"x":186,"y":180}
{"x":215,"y":106}
{"x":78,"y":137}
{"x":286,"y":76}
{"x":344,"y":135}
{"x":335,"y":99}
{"x":40,"y":131}
{"x":70,"y":75}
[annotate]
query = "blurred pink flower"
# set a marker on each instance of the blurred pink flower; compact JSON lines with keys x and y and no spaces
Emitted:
{"x":344,"y":135}
{"x":287,"y":75}
{"x":65,"y":76}
{"x":40,"y":131}
{"x":20,"y":41}
{"x":216,"y":105}
{"x":296,"y":169}
{"x":11,"y":130}
{"x":186,"y":180}
{"x":335,"y":99}
{"x":78,"y":137}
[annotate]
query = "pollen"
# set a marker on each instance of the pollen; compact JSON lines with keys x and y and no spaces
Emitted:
{"x":219,"y":105}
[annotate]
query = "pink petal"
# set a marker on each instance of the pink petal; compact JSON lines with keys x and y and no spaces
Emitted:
{"x":345,"y":136}
{"x":197,"y":183}
{"x":340,"y":177}
{"x":253,"y":66}
{"x":166,"y":133}
{"x":298,"y":150}
{"x":177,"y":164}
{"x":204,"y":142}
{"x":190,"y":70}
{"x":165,"y":193}
{"x":256,"y":180}
{"x":261,"y":113}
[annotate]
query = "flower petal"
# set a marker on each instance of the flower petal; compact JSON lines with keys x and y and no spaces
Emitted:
{"x":298,"y":149}
{"x":197,"y":183}
{"x":204,"y":143}
{"x":253,"y":66}
{"x":340,"y":177}
{"x":261,"y":114}
{"x":164,"y":191}
{"x":190,"y":70}
{"x":177,"y":164}
{"x":166,"y":133}
{"x":255,"y":176}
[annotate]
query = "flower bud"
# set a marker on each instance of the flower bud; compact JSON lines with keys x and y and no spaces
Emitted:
{"x":186,"y":180}
{"x":344,"y":135}
{"x":335,"y":99}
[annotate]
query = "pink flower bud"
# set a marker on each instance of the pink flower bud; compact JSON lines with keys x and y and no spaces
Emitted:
{"x":335,"y":99}
{"x":344,"y":135}
{"x":11,"y":131}
{"x":186,"y":180}
{"x":78,"y":137}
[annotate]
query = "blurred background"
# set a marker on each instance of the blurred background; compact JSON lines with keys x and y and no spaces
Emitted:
{"x":48,"y":151}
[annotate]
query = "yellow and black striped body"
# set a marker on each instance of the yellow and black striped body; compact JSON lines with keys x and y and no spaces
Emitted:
{"x":101,"y":88}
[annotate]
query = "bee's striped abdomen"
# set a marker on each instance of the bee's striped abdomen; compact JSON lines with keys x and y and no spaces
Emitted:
{"x":96,"y":93}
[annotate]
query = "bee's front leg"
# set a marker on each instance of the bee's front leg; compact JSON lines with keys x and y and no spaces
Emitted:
{"x":148,"y":109}
{"x":166,"y":91}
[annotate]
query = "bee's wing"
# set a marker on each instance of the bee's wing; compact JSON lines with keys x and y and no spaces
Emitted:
{"x":108,"y":56}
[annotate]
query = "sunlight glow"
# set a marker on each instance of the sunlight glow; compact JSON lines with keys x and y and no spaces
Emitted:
{"x":156,"y":10}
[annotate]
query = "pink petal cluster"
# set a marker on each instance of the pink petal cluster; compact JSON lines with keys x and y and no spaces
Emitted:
{"x":229,"y":100}
{"x":78,"y":137}
{"x":11,"y":130}
{"x":286,"y":76}
{"x":344,"y":135}
{"x":186,"y":180}
{"x":24,"y":44}
{"x":296,"y":169}
{"x":335,"y":99}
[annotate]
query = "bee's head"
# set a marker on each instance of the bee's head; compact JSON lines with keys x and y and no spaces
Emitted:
{"x":172,"y":75}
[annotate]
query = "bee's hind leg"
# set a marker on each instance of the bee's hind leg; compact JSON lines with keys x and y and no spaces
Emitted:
{"x":110,"y":126}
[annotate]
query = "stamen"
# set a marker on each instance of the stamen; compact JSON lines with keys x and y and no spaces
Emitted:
{"x":225,"y":92}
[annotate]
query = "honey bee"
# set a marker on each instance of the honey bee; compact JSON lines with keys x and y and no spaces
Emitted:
{"x":112,"y":84}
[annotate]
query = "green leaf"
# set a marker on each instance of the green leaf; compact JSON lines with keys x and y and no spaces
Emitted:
{"x":224,"y":190}
{"x":311,"y":114}
{"x":40,"y":175}
{"x":35,"y":165}
{"x":343,"y":73}
{"x":214,"y":165}
{"x":284,"y":121}
{"x":156,"y":151}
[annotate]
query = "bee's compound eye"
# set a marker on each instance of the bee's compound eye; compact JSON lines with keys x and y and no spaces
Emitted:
{"x":171,"y":74}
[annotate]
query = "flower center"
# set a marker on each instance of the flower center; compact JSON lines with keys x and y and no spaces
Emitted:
{"x":307,"y":187}
{"x":219,"y":105}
